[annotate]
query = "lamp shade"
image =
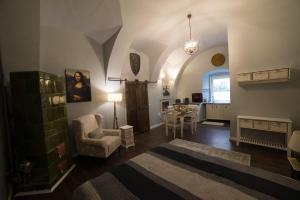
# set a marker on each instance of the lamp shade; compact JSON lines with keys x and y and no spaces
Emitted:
{"x":294,"y":143}
{"x":114,"y":97}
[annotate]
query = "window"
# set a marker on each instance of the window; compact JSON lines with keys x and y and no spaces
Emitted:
{"x":220,"y":88}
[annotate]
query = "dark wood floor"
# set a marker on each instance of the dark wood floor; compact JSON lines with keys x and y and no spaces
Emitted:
{"x":87,"y":168}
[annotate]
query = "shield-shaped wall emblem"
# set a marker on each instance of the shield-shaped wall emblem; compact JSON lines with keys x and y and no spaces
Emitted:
{"x":135,"y":61}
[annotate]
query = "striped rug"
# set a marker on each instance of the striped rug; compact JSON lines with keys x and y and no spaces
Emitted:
{"x":213,"y":123}
{"x":241,"y":158}
{"x":173,"y":172}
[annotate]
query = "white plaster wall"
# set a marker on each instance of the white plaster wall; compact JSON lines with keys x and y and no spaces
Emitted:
{"x":20,"y":35}
{"x":144,"y":67}
{"x":190,"y":80}
{"x":267,"y":39}
{"x":62,"y":49}
{"x":155,"y":96}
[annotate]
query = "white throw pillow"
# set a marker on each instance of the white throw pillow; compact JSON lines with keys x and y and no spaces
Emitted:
{"x":96,"y":134}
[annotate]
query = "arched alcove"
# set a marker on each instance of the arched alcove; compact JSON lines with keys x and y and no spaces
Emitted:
{"x":190,"y":79}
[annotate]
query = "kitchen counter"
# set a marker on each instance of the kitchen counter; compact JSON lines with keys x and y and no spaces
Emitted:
{"x":219,"y":111}
{"x":226,"y":103}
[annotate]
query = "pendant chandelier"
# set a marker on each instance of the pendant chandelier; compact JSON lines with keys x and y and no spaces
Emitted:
{"x":191,"y":46}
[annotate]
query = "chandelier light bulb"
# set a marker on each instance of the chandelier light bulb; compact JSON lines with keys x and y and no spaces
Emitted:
{"x":191,"y":46}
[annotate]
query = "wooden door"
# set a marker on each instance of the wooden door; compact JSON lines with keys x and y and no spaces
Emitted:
{"x":131,"y":105}
{"x":137,"y":106}
{"x":142,"y":107}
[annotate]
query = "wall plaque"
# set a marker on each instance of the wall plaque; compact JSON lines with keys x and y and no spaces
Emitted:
{"x":135,"y":62}
{"x":218,"y":60}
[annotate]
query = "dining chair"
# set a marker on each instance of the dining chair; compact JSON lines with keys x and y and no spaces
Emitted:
{"x":190,"y":119}
{"x":196,"y":109}
{"x":171,"y":120}
{"x":170,"y":107}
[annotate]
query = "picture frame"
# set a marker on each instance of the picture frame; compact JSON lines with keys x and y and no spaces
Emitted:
{"x":166,"y":92}
{"x":78,"y":86}
{"x":164,"y":104}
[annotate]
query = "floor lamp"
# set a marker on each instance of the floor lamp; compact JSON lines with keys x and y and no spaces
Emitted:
{"x":115,"y":97}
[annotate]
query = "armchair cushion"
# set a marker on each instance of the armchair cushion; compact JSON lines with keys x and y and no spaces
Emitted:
{"x":112,"y":143}
{"x":96,"y":134}
{"x":108,"y":143}
{"x":112,"y":132}
{"x":94,"y":142}
{"x":88,"y":124}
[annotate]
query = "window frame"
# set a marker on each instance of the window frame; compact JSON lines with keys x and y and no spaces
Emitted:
{"x":211,"y":77}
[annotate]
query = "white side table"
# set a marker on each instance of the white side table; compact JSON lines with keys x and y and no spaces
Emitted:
{"x":127,"y":136}
{"x":270,"y":124}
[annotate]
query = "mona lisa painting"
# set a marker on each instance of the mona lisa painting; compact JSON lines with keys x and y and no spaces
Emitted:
{"x":78,"y":85}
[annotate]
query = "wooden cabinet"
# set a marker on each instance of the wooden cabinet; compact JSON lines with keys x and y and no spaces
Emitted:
{"x":218,"y":111}
{"x":210,"y":111}
{"x":40,"y":127}
{"x":266,"y":76}
{"x":137,"y":106}
{"x":226,"y":112}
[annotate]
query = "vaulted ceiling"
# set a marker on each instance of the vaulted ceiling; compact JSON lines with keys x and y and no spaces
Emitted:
{"x":158,"y":28}
{"x":98,"y":19}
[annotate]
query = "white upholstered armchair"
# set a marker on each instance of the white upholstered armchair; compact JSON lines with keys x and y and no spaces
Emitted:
{"x":103,"y":146}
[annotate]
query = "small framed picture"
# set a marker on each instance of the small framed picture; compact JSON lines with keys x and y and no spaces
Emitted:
{"x":166,"y":91}
{"x":165,"y":103}
{"x":78,"y":85}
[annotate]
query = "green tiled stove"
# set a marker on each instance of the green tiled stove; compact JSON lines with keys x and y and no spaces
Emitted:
{"x":41,"y":140}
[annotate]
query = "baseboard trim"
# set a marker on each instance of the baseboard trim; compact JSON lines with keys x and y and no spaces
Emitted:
{"x":46,"y":191}
{"x":156,"y":125}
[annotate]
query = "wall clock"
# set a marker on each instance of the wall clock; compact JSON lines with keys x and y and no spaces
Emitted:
{"x":218,"y":60}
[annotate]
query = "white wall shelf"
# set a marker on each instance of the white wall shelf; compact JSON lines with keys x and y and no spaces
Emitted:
{"x":266,"y":76}
{"x":272,"y":125}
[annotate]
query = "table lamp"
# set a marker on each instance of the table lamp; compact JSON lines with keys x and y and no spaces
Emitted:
{"x":294,"y":143}
{"x":115,"y":97}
